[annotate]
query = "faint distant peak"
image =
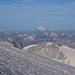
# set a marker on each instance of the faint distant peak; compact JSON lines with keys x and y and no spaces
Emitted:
{"x":41,"y":28}
{"x":1,"y":30}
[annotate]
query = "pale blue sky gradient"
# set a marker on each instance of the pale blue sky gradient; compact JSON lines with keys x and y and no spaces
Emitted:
{"x":29,"y":14}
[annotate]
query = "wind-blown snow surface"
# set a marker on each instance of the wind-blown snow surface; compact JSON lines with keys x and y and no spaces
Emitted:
{"x":51,"y":50}
{"x":17,"y":62}
{"x":70,"y":54}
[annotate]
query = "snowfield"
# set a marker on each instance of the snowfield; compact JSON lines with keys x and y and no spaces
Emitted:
{"x":14,"y":61}
{"x":66,"y":54}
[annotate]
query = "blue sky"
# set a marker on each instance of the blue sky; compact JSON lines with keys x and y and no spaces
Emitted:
{"x":29,"y":14}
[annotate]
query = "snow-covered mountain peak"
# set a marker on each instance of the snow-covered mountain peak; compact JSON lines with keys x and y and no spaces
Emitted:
{"x":41,"y":28}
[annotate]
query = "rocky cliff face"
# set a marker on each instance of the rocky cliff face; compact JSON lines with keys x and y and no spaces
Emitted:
{"x":14,"y":61}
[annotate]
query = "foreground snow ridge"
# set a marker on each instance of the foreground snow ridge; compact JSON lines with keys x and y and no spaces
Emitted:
{"x":14,"y":61}
{"x":56,"y":52}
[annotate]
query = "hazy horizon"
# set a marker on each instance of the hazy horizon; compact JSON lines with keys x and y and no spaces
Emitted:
{"x":30,"y":14}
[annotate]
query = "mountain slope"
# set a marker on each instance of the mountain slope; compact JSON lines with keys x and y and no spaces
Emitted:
{"x":17,"y":62}
{"x":54,"y":51}
{"x":70,"y":54}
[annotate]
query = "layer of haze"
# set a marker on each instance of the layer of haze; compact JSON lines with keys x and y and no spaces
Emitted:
{"x":29,"y":14}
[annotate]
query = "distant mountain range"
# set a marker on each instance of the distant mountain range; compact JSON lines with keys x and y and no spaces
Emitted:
{"x":21,"y":39}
